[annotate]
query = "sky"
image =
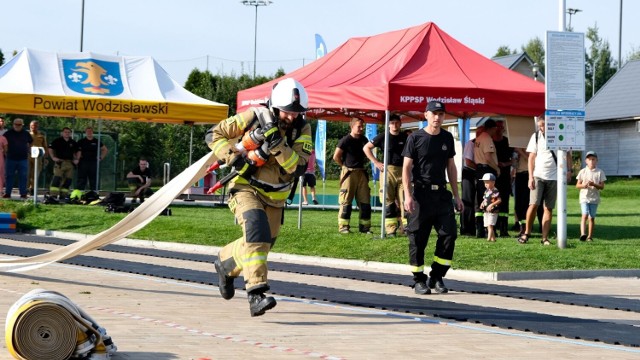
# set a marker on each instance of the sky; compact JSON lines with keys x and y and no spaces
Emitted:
{"x":218,"y":35}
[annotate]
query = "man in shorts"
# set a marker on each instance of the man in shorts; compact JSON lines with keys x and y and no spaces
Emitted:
{"x":543,"y":183}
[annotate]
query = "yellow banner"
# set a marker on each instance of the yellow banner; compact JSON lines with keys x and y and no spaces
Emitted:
{"x":114,"y":109}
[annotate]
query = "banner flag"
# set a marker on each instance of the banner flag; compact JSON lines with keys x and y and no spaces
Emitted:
{"x":371,"y":132}
{"x":321,"y":48}
{"x":321,"y":146}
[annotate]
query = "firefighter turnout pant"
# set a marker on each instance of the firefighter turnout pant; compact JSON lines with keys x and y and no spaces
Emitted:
{"x":247,"y":256}
{"x":62,"y":177}
{"x":434,"y":209}
{"x":354,"y":183}
{"x":394,"y":208}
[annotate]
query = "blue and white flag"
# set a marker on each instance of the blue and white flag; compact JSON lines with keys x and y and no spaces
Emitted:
{"x":371,"y":132}
{"x":321,"y":146}
{"x":321,"y":48}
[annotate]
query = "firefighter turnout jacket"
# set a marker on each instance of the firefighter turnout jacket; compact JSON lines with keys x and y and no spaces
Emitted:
{"x":257,"y":200}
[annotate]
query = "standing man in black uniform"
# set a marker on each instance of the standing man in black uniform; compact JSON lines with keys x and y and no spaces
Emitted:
{"x":354,"y":180}
{"x":503,"y":183}
{"x":88,"y":165}
{"x":429,"y":153}
{"x":64,"y":153}
{"x":395,"y":192}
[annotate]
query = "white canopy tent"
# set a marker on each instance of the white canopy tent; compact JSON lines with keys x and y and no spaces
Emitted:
{"x":88,"y":85}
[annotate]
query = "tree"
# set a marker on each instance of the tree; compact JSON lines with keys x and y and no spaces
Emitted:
{"x":634,"y":54}
{"x":599,"y":59}
{"x":504,"y":50}
{"x":535,"y":49}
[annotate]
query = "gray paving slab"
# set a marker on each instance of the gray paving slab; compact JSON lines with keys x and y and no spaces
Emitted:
{"x":151,"y":318}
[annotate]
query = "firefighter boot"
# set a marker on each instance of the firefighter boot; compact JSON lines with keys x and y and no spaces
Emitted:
{"x":259,"y":304}
{"x":421,"y":288}
{"x":420,"y":284}
{"x":438,"y":285}
{"x":225,"y":283}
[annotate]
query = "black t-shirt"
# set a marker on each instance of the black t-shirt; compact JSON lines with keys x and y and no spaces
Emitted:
{"x":396,"y":145}
{"x":64,"y":149}
{"x":503,"y":150}
{"x":353,"y":156}
{"x":89,"y":149}
{"x":146,"y":174}
{"x":19,"y":144}
{"x":430,"y":154}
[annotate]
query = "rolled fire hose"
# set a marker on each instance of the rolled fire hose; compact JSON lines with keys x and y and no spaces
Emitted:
{"x":133,"y":222}
{"x":47,"y":325}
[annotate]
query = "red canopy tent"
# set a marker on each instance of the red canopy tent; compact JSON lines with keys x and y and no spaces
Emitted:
{"x":401,"y":71}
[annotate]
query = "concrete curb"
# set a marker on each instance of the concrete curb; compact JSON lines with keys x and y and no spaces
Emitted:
{"x":366,"y":265}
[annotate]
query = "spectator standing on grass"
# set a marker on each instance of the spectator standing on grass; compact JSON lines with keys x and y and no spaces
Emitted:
{"x":504,"y":154}
{"x":354,"y":179}
{"x":490,"y":204}
{"x":39,"y":140}
{"x":486,"y":159}
{"x":590,"y":181}
{"x":63,"y":151}
{"x":521,"y":189}
{"x":89,"y":160}
{"x":2,"y":128}
{"x":468,"y":216}
{"x":543,"y":183}
{"x":310,"y":180}
{"x":395,"y":192}
{"x":17,"y":150}
{"x":3,"y":155}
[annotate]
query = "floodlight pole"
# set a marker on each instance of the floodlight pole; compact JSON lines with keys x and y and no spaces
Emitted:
{"x":255,"y":3}
{"x":620,"y":39}
{"x":82,"y":27}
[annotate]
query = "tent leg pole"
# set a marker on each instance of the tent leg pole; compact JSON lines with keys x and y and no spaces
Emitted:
{"x":190,"y":157}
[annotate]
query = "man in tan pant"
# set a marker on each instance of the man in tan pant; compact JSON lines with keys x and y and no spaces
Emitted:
{"x":39,"y":140}
{"x":354,"y":180}
{"x":268,"y":148}
{"x":395,"y":192}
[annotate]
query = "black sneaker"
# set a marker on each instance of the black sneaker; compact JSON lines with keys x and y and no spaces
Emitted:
{"x":421,"y":288}
{"x":225,"y":283}
{"x":259,"y":304}
{"x":438,"y":286}
{"x":315,"y":202}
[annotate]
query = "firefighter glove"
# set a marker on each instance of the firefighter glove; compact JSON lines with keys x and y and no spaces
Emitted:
{"x":243,"y":166}
{"x":272,"y":136}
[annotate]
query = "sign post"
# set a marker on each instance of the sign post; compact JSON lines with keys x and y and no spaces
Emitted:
{"x":565,"y":105}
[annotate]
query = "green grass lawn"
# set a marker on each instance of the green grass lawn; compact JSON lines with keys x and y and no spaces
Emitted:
{"x":616,"y":245}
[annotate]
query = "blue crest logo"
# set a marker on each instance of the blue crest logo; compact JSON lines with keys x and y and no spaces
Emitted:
{"x":93,"y":77}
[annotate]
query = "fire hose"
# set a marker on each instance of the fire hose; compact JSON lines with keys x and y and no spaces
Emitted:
{"x":47,"y":325}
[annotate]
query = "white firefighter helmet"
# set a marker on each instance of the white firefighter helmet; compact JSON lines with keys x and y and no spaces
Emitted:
{"x":289,"y":95}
